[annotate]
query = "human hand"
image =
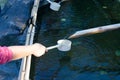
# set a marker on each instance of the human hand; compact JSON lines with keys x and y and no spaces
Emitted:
{"x":38,"y":49}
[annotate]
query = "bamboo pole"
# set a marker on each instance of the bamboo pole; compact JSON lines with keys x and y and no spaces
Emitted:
{"x":95,"y":30}
{"x":26,"y":62}
{"x":34,"y":16}
{"x":28,"y":59}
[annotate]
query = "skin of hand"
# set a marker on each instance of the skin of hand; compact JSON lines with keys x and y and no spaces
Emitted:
{"x":38,"y":50}
{"x":23,"y":51}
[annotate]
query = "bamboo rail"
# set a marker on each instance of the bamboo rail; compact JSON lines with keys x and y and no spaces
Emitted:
{"x":95,"y":30}
{"x":26,"y":61}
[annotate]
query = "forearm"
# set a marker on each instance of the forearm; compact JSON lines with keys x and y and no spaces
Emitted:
{"x":20,"y":51}
{"x":16,"y":52}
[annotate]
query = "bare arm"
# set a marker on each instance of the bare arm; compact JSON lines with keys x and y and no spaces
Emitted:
{"x":22,"y":51}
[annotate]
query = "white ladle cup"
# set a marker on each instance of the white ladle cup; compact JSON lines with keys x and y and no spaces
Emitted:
{"x":62,"y":45}
{"x":54,"y":6}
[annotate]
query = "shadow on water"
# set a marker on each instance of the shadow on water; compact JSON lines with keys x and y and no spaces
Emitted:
{"x":94,"y":57}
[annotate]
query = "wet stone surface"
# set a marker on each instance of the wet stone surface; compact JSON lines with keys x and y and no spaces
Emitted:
{"x":13,"y":18}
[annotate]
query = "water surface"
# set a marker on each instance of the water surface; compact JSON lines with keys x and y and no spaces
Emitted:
{"x":94,"y":57}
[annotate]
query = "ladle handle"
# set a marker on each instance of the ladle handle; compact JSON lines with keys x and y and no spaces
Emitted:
{"x":52,"y":47}
{"x":49,"y":1}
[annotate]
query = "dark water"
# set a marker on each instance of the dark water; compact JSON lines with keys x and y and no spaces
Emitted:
{"x":94,"y":57}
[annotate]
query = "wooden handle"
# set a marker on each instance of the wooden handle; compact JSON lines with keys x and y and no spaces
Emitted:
{"x":95,"y":30}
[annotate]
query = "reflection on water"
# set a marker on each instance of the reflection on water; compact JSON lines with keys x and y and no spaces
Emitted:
{"x":94,"y":57}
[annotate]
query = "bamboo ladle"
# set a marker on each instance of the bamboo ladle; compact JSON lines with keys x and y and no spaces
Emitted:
{"x":95,"y":30}
{"x":62,"y":45}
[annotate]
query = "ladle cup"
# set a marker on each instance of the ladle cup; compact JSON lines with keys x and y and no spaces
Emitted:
{"x":54,"y":5}
{"x":62,"y":45}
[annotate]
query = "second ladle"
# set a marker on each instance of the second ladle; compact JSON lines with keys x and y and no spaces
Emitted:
{"x":62,"y":45}
{"x":54,"y":5}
